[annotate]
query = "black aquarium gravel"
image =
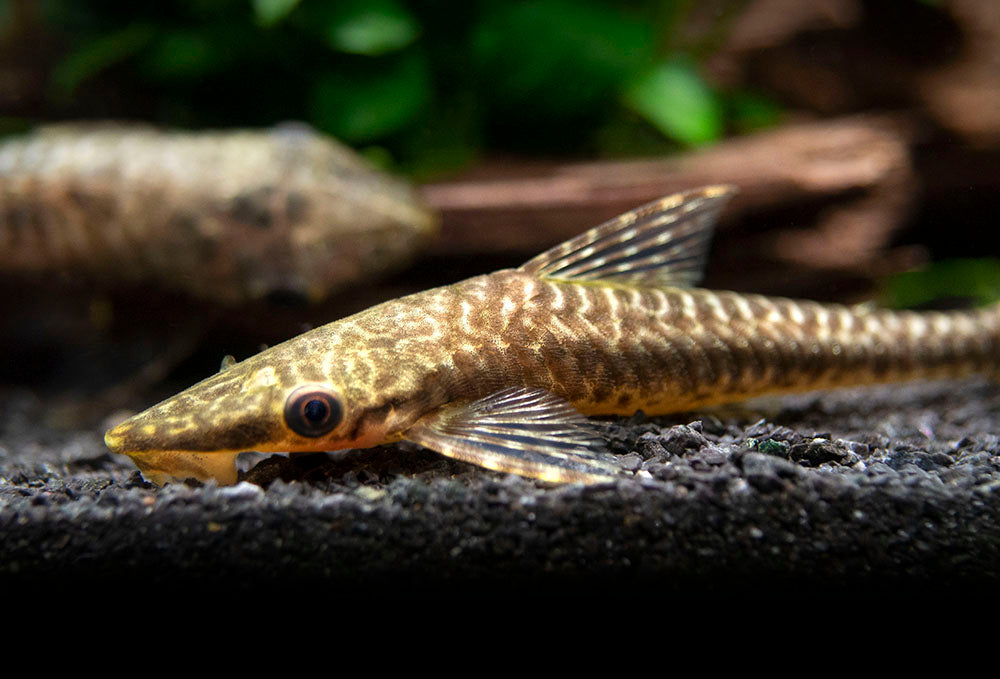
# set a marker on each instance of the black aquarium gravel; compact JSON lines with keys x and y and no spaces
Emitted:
{"x":880,"y":491}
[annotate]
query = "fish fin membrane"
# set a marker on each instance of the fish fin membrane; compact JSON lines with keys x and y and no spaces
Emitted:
{"x":661,"y":244}
{"x":530,"y":432}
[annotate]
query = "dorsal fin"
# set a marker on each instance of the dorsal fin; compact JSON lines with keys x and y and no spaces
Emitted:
{"x":663,"y":243}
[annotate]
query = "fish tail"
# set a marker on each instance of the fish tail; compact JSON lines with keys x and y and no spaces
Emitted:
{"x":907,"y":345}
{"x":802,"y":346}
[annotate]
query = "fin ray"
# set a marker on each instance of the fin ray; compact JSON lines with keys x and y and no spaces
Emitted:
{"x":529,"y":432}
{"x":663,"y":243}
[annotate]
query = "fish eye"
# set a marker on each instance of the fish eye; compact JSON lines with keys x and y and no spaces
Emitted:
{"x":312,"y":411}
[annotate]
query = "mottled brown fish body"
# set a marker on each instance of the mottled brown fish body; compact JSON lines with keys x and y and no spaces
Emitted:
{"x":498,"y":370}
{"x":616,"y":350}
{"x":229,"y":216}
{"x":675,"y":349}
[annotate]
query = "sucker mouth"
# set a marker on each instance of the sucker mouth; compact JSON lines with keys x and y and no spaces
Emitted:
{"x":161,"y":467}
{"x":151,"y":431}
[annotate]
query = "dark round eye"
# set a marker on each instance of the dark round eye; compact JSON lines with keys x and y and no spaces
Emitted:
{"x":313,"y":411}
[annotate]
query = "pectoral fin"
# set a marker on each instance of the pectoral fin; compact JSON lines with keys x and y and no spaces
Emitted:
{"x":530,"y":432}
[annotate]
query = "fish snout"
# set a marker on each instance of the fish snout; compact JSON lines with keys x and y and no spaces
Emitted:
{"x":136,"y":435}
{"x":138,"y":441}
{"x":116,"y":438}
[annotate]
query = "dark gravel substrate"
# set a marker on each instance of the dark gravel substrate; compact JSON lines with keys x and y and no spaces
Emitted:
{"x":870,"y":492}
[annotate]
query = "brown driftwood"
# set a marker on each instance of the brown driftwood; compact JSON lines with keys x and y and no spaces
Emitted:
{"x":841,"y":188}
{"x":941,"y":60}
{"x":964,"y":94}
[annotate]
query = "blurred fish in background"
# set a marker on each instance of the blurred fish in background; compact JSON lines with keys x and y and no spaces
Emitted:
{"x":231,"y":216}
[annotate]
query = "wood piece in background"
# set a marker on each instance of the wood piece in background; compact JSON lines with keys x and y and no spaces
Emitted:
{"x":842,"y":187}
{"x":963,"y":95}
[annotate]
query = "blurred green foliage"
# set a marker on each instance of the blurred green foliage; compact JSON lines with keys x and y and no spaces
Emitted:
{"x":966,"y":281}
{"x":678,"y":101}
{"x":369,"y":27}
{"x":270,"y":12}
{"x":430,"y":84}
{"x":555,"y":59}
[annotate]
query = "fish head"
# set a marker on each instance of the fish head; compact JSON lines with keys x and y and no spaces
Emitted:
{"x":276,"y":401}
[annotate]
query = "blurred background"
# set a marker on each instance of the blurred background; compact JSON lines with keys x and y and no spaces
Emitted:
{"x":423,"y":87}
{"x":428,"y":88}
{"x":864,"y":136}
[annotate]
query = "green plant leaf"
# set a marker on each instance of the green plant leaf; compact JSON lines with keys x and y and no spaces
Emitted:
{"x":556,"y":59}
{"x":270,"y":12}
{"x":674,"y":97}
{"x":973,"y":279}
{"x":371,"y":28}
{"x":363,"y":105}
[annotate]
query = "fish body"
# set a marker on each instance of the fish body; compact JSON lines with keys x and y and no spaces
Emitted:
{"x":228,"y":216}
{"x":501,"y":369}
